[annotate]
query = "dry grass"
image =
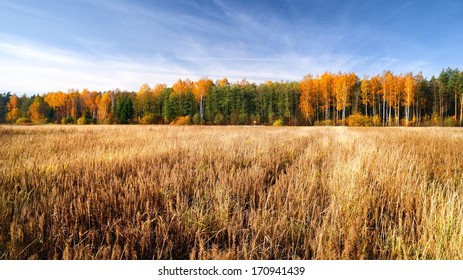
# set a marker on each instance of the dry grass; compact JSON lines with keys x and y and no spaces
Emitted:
{"x":128,"y":192}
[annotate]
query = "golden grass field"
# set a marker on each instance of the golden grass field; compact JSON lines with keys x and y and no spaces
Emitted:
{"x":163,"y":192}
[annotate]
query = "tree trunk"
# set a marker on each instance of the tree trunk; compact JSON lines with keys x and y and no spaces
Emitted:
{"x":201,"y":109}
{"x":407,"y":117}
{"x":327,"y":111}
{"x":344,"y":116}
{"x":318,"y":106}
{"x":384,"y":111}
{"x":389,"y":117}
{"x":456,"y":105}
{"x":461,"y":109}
{"x":398,"y":114}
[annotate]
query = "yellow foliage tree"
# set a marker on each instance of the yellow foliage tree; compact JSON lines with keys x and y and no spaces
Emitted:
{"x":182,"y":87}
{"x":37,"y":111}
{"x":201,"y":89}
{"x":144,"y":100}
{"x":74,"y":102}
{"x":375,"y":87}
{"x":89,"y":100}
{"x":308,"y":88}
{"x":343,"y":87}
{"x":409,"y":88}
{"x":104,"y":105}
{"x":366,"y":93}
{"x":57,"y":100}
{"x":326,"y":90}
{"x":158,"y":89}
{"x":223,"y":82}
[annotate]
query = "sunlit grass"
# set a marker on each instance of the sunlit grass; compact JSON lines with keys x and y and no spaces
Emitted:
{"x":162,"y":192}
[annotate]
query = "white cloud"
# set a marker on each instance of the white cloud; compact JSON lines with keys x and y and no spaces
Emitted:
{"x":28,"y":67}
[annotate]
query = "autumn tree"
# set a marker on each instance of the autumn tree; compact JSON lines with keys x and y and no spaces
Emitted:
{"x":201,"y":89}
{"x":104,"y":105}
{"x":12,"y":107}
{"x":308,"y":87}
{"x":343,"y":87}
{"x":182,"y":101}
{"x":182,"y":86}
{"x":369,"y":89}
{"x":74,"y":104}
{"x":326,"y":91}
{"x":387,"y":85}
{"x":387,"y":98}
{"x":223,"y":82}
{"x":89,"y":99}
{"x":38,"y":110}
{"x":398,"y":92}
{"x":144,"y":101}
{"x":57,"y":101}
{"x":366,"y":93}
{"x":409,"y":88}
{"x":375,"y":87}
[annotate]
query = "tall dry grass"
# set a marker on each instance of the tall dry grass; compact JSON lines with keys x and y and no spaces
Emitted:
{"x":158,"y":192}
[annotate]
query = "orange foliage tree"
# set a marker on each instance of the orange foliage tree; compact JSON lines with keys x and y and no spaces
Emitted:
{"x":201,"y":89}
{"x":12,"y":107}
{"x":38,"y":110}
{"x":89,"y":101}
{"x":309,"y":88}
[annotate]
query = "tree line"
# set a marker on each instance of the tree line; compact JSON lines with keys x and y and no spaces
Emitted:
{"x":386,"y":99}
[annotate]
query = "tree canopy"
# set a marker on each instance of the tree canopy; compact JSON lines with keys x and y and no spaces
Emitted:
{"x":386,"y":99}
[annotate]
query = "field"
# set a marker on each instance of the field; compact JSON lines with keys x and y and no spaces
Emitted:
{"x":163,"y":192}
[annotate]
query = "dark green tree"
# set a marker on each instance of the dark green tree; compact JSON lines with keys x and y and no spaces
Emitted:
{"x":3,"y":110}
{"x":24,"y":103}
{"x":124,"y":108}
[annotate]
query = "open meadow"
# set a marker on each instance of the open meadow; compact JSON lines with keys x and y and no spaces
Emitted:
{"x":195,"y":192}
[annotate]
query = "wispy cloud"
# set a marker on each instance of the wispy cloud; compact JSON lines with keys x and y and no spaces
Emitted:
{"x":101,"y":44}
{"x":33,"y":68}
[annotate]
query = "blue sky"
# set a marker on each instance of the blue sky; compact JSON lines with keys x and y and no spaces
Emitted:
{"x":51,"y":45}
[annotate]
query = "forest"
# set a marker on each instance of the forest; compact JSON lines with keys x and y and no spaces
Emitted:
{"x":386,"y":99}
